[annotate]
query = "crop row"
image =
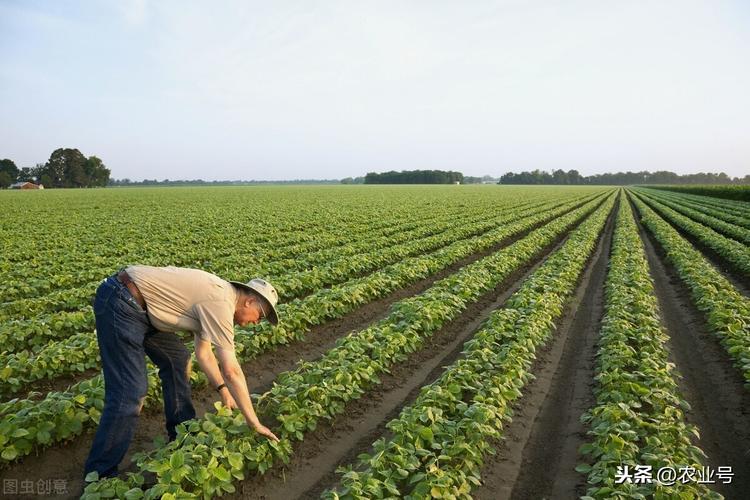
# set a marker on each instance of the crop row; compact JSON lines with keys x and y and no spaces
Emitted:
{"x":437,"y":444}
{"x":79,"y":352}
{"x":71,"y":298}
{"x":69,"y":267}
{"x":726,"y":310}
{"x":65,"y":316}
{"x":729,"y":192}
{"x":219,"y":449}
{"x":272,"y":256}
{"x":738,"y":208}
{"x":731,"y":230}
{"x":82,"y":403}
{"x":715,"y":210}
{"x":36,"y":333}
{"x":65,"y":246}
{"x":208,"y":232}
{"x":638,"y":417}
{"x":733,"y":252}
{"x":79,"y":406}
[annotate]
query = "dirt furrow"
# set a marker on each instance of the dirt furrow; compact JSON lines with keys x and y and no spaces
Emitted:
{"x":313,"y":466}
{"x":720,"y":405}
{"x":539,"y":453}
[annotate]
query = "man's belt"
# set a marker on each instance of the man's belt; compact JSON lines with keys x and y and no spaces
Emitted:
{"x":125,"y":279}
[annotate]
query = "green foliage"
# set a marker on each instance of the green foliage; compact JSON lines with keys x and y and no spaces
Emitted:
{"x":710,"y":219}
{"x":560,"y":177}
{"x":638,"y":418}
{"x":79,"y":352}
{"x":720,"y":209}
{"x":414,"y":177}
{"x":319,"y":390}
{"x":9,"y":168}
{"x":727,"y":191}
{"x":726,"y":310}
{"x":733,"y":252}
{"x":68,"y":168}
{"x":299,"y":315}
{"x":438,"y":443}
{"x":5,"y":180}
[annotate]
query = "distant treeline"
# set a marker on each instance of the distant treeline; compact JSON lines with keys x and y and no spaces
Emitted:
{"x":66,"y":168}
{"x":201,"y":182}
{"x":487,"y":179}
{"x":414,"y":177}
{"x":559,"y":177}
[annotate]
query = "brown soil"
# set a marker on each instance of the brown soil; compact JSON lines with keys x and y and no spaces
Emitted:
{"x":66,"y":460}
{"x":312,"y":469}
{"x":720,"y":405}
{"x":539,"y":452}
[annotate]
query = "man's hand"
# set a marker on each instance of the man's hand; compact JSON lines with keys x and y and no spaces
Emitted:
{"x":265,"y":431}
{"x":227,"y":399}
{"x":231,"y":371}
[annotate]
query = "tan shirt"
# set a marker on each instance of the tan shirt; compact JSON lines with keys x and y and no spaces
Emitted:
{"x":180,"y":299}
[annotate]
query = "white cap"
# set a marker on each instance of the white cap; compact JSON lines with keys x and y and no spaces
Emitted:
{"x":263,"y":289}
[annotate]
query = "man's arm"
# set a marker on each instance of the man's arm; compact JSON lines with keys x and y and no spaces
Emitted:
{"x":235,"y":380}
{"x":207,"y":362}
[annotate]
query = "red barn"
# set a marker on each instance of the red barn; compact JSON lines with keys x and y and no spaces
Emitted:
{"x":26,"y":185}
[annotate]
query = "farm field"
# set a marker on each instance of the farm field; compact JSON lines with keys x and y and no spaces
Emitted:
{"x":435,"y":341}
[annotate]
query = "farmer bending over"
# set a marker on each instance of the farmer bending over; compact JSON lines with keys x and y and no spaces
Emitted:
{"x":137,"y":312}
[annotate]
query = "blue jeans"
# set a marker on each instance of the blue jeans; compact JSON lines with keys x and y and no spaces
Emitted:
{"x":125,"y":337}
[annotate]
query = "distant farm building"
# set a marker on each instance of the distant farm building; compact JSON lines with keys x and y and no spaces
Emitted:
{"x":26,"y":185}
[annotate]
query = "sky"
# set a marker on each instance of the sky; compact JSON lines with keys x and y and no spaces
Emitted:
{"x":305,"y":89}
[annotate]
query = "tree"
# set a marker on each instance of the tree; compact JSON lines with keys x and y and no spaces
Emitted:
{"x":560,"y":177}
{"x":26,"y":175}
{"x":574,"y":177}
{"x":68,"y":167}
{"x":9,"y":167}
{"x":618,"y":178}
{"x":97,"y":173}
{"x":414,"y":177}
{"x":5,"y":180}
{"x":37,"y":171}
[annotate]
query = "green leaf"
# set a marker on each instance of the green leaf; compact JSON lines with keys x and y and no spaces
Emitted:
{"x":426,"y":434}
{"x":43,"y":436}
{"x":134,"y":494}
{"x":177,"y":459}
{"x":10,"y":453}
{"x":20,"y":433}
{"x":222,"y":474}
{"x":236,"y":460}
